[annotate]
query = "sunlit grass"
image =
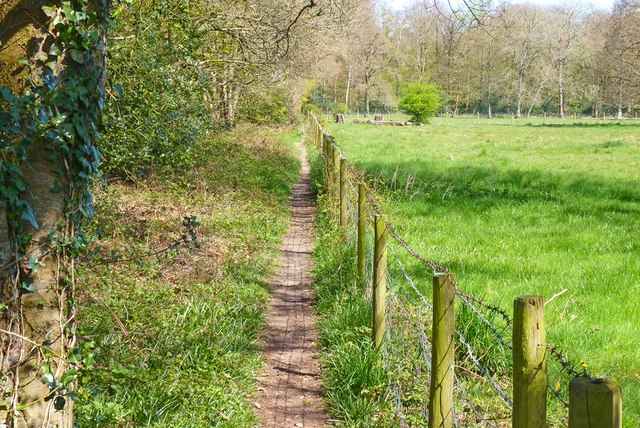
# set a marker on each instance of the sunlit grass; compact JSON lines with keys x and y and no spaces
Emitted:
{"x":175,"y":336}
{"x":535,"y":208}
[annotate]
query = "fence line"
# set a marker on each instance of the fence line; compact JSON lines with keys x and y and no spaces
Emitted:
{"x":403,"y":325}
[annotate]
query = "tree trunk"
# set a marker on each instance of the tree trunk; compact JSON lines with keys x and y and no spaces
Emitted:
{"x":37,"y":324}
{"x":346,"y":96}
{"x":560,"y":90}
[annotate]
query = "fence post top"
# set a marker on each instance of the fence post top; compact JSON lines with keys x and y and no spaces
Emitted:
{"x":529,"y":299}
{"x":600,"y":383}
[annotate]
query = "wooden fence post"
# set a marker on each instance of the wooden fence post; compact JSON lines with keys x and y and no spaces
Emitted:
{"x":594,"y":403}
{"x":441,"y":391}
{"x":529,"y":363}
{"x":362,"y":230}
{"x":343,"y":194}
{"x":379,"y":281}
{"x":336,"y":174}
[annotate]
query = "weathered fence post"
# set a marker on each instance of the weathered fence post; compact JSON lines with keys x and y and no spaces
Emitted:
{"x":379,"y":281}
{"x":595,"y":403}
{"x":336,"y":175}
{"x":529,"y":363}
{"x":362,"y":229}
{"x":343,"y":194}
{"x":441,"y":391}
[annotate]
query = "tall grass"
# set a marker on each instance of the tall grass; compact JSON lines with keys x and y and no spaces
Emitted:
{"x":528,"y":209}
{"x":354,"y":378}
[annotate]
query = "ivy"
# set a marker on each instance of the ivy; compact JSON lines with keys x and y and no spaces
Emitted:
{"x":59,"y":110}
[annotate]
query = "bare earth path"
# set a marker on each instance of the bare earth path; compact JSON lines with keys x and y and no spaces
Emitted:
{"x":291,"y":395}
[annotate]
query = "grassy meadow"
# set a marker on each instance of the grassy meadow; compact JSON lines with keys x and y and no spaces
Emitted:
{"x":528,"y":206}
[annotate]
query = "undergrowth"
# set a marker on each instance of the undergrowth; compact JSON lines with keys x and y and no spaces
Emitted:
{"x":354,"y":378}
{"x":174,"y":334}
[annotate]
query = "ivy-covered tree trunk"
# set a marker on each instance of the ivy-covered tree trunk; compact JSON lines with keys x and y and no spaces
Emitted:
{"x":51,"y":68}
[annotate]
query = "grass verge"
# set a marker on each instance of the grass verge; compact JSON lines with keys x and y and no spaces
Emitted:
{"x":354,"y":378}
{"x":174,"y":334}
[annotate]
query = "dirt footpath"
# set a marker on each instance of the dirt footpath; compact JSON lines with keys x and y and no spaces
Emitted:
{"x":290,"y":393}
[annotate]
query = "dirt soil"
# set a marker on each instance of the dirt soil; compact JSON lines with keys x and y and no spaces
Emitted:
{"x":290,"y":393}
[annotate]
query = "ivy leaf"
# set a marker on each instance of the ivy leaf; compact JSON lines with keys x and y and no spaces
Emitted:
{"x":59,"y":402}
{"x":28,"y":286}
{"x":68,"y":376}
{"x":49,"y":10}
{"x":27,"y":215}
{"x":77,"y":56}
{"x":54,"y":50}
{"x":34,"y":264}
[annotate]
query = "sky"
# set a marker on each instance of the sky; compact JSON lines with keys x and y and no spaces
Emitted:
{"x":601,"y":4}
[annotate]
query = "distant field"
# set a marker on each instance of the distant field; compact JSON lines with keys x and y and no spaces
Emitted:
{"x":531,"y":208}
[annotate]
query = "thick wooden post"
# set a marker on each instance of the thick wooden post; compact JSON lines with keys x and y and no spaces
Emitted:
{"x":328,"y":158}
{"x":343,"y":194}
{"x":379,"y":281}
{"x":529,"y":363}
{"x":362,"y":230}
{"x":441,"y":391}
{"x":595,"y":403}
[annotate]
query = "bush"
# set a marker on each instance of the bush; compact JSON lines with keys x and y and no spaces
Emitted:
{"x":264,"y":106}
{"x":420,"y":101}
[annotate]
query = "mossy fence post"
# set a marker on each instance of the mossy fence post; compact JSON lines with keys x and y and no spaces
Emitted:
{"x":595,"y":403}
{"x":441,"y":390}
{"x":379,"y":281}
{"x":529,"y":363}
{"x":362,"y":230}
{"x":343,"y":194}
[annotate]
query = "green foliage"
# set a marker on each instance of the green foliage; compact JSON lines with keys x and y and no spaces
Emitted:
{"x":420,"y":101}
{"x":62,"y":113}
{"x":155,"y":112}
{"x":264,"y":106}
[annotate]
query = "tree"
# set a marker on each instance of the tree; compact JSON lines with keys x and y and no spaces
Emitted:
{"x":420,"y":101}
{"x":49,"y":111}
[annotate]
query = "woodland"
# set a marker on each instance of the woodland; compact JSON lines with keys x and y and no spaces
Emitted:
{"x":94,"y":93}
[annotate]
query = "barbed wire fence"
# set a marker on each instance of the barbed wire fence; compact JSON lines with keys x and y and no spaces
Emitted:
{"x":482,"y":382}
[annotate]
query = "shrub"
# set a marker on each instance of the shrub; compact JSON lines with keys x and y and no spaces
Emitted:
{"x":420,"y":101}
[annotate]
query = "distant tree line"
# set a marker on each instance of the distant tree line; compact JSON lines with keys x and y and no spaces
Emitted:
{"x":488,"y":58}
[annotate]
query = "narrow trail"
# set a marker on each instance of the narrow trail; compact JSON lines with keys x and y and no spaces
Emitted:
{"x":290,"y":393}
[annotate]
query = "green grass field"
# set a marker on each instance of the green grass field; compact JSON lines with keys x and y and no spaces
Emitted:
{"x":537,"y":207}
